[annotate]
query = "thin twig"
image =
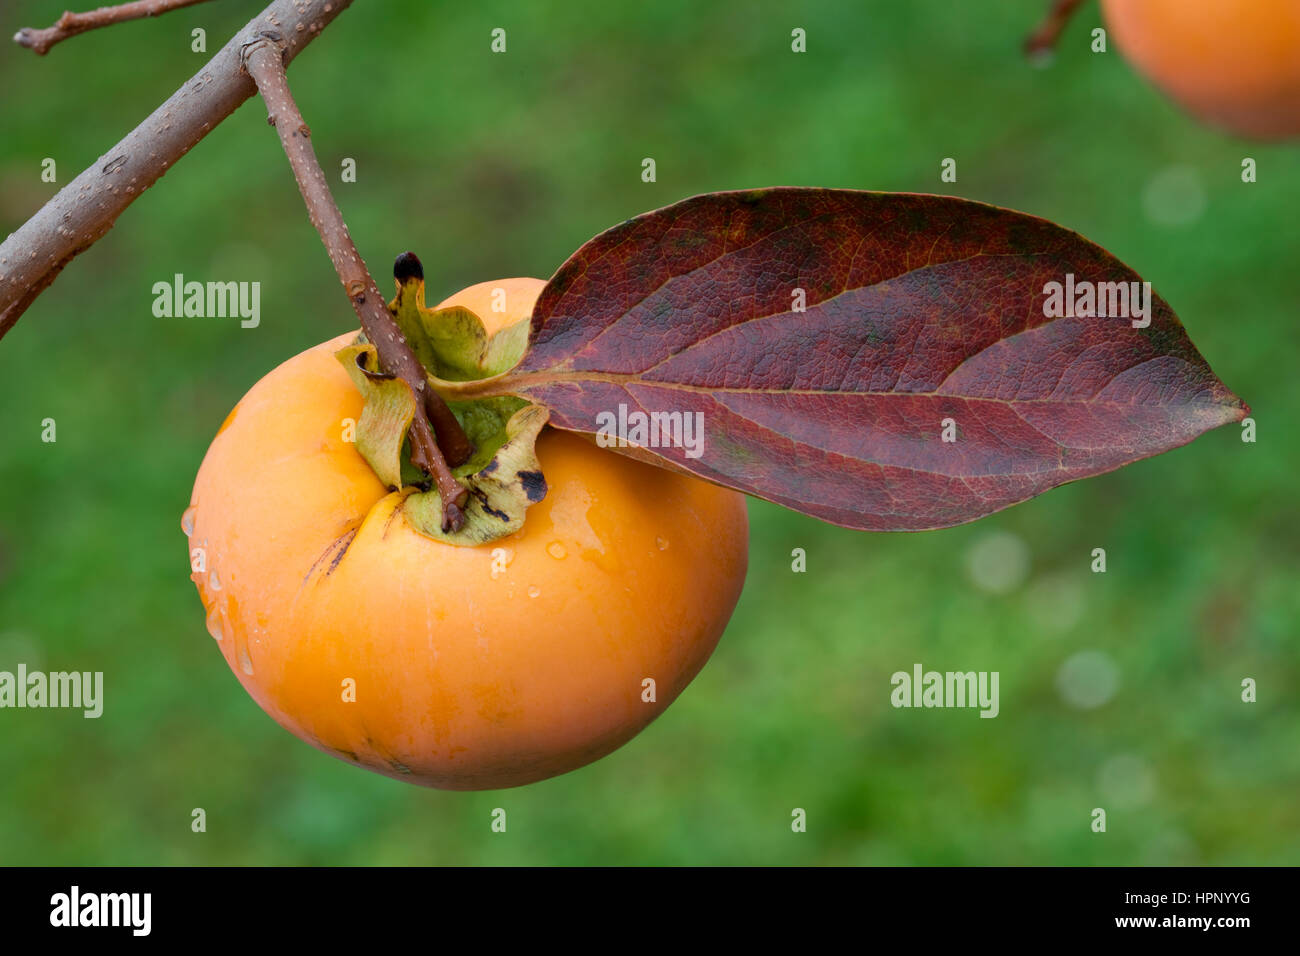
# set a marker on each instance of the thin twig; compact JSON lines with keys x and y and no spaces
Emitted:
{"x":87,"y":207}
{"x":1042,"y":42}
{"x":263,"y":62}
{"x":70,"y":24}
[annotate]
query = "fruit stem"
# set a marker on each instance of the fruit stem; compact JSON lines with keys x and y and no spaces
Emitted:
{"x":1041,"y":44}
{"x":263,"y":61}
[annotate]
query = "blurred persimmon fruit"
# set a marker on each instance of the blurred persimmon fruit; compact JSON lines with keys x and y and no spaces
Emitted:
{"x":1235,"y":64}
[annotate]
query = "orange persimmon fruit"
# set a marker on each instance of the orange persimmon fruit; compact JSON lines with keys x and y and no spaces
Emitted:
{"x":463,"y":668}
{"x":1233,"y":63}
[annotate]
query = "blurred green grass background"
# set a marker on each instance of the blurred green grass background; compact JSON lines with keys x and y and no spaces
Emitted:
{"x":497,"y":165}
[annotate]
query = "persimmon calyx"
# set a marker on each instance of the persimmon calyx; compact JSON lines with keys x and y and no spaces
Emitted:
{"x":502,"y":476}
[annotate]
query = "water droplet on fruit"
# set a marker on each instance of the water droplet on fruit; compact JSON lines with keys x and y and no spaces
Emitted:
{"x":534,"y":591}
{"x":573,"y":510}
{"x":245,"y":664}
{"x":213,"y":581}
{"x":661,"y":544}
{"x":214,"y":623}
{"x":556,"y":550}
{"x":187,"y":520}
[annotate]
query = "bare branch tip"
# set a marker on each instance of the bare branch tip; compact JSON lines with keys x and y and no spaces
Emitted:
{"x":71,"y":24}
{"x":33,"y":40}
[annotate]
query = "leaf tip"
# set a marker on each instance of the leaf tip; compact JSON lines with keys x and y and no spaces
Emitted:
{"x":1232,"y":407}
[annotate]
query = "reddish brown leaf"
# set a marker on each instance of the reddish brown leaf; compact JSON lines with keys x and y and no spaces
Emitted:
{"x":918,"y":309}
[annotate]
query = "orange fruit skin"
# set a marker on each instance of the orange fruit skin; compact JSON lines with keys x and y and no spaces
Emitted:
{"x":1233,"y":63}
{"x":473,"y":668}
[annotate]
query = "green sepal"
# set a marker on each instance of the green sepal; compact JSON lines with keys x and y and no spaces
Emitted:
{"x":387,"y":415}
{"x":452,"y":344}
{"x":486,"y":422}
